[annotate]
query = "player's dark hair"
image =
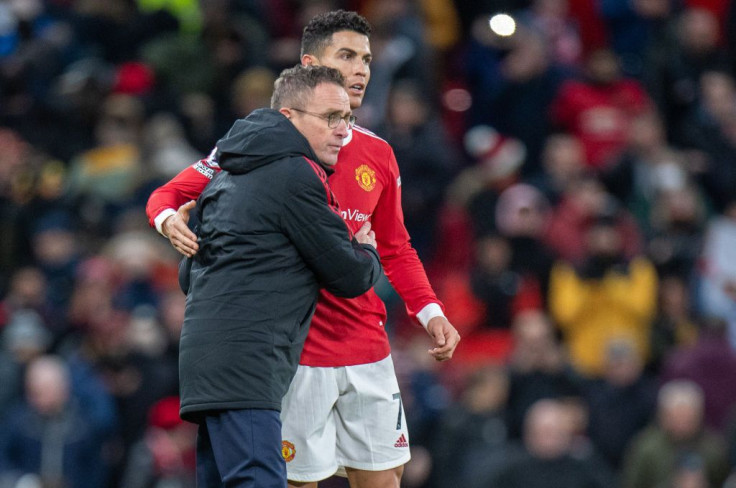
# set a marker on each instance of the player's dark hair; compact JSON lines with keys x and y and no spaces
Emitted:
{"x":294,"y":85}
{"x":318,"y":32}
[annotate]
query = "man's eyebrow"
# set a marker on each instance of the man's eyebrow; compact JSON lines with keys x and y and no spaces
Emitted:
{"x":347,"y":50}
{"x":353,"y":52}
{"x":338,"y":111}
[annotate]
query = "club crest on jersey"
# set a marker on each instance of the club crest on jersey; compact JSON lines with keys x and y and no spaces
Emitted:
{"x":288,"y":451}
{"x":365,"y":177}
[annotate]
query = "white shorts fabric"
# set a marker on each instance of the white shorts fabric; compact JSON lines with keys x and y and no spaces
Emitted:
{"x":338,"y":417}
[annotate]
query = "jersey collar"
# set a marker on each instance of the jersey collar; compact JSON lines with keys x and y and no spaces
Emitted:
{"x":349,"y":137}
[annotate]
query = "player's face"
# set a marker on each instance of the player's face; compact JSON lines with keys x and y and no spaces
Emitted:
{"x":350,"y":53}
{"x":311,"y":120}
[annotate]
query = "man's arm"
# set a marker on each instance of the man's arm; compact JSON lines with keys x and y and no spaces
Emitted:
{"x":404,"y":269}
{"x":168,"y":206}
{"x":312,"y":221}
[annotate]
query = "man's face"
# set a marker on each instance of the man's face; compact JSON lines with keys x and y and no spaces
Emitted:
{"x":603,"y":67}
{"x":350,"y":53}
{"x":327,"y":98}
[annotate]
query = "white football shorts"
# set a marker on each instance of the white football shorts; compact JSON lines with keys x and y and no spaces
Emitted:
{"x":338,"y":417}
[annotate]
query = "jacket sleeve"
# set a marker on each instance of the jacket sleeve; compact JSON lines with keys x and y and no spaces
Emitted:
{"x":185,"y":186}
{"x":312,"y":221}
{"x":401,"y":263}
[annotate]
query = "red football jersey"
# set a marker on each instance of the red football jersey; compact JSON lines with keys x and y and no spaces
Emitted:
{"x":367,"y":185}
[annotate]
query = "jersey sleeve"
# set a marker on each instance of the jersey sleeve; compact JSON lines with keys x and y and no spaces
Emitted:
{"x":185,"y":186}
{"x":400,"y":262}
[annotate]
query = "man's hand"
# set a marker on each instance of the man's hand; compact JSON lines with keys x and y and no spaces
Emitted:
{"x":175,"y":228}
{"x":444,"y":336}
{"x":366,"y":236}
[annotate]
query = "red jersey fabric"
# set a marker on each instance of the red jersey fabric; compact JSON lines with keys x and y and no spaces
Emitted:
{"x":367,"y":185}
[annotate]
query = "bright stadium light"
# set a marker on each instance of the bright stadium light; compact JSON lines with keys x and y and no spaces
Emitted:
{"x":502,"y":25}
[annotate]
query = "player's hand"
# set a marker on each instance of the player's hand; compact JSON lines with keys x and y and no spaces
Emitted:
{"x":176,"y":229}
{"x":444,"y":336}
{"x":366,"y":236}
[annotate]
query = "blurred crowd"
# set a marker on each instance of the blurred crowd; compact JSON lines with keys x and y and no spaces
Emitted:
{"x":568,"y":178}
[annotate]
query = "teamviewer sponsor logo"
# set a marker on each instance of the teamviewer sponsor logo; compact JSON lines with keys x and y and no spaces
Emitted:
{"x":401,"y":441}
{"x":354,"y":215}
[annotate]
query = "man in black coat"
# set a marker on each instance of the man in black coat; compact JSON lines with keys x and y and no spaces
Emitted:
{"x":270,"y":236}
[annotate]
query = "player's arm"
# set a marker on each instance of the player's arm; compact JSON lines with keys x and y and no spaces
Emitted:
{"x":169,"y":206}
{"x":405,"y":271}
{"x":343,"y":265}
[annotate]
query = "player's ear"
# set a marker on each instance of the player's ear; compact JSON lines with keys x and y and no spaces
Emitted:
{"x":309,"y":60}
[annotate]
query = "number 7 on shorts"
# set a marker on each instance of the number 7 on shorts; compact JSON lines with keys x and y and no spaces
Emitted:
{"x":397,"y":396}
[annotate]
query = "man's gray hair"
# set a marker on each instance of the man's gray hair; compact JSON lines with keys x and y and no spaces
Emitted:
{"x":294,"y":85}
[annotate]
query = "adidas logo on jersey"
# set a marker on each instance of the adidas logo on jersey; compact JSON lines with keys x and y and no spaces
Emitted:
{"x":401,"y":442}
